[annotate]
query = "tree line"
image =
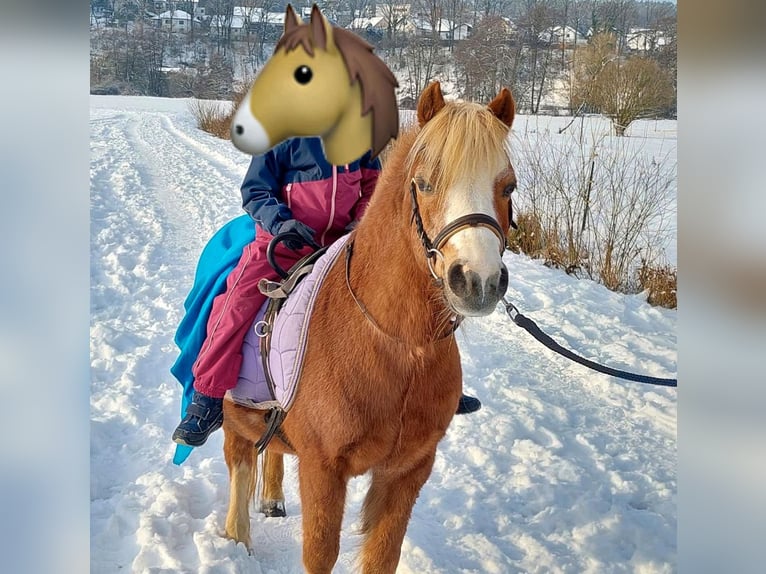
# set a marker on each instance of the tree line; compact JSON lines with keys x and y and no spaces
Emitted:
{"x":616,"y":57}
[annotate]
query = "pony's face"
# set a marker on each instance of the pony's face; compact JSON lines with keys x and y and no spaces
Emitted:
{"x":461,"y":168}
{"x":295,"y":94}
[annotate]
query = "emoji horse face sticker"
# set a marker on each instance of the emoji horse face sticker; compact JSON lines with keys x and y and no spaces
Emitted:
{"x":321,"y":81}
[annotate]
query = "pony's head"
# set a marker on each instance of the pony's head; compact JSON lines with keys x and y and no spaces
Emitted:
{"x":320,"y":81}
{"x":461,"y":179}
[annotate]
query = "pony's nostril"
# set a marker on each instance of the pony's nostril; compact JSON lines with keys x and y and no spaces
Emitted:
{"x":457,"y":280}
{"x":464,"y":282}
{"x":239,"y":129}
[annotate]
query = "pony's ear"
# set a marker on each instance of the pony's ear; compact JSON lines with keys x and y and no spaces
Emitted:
{"x":503,"y":107}
{"x":321,"y":31}
{"x":430,"y":102}
{"x":292,"y":20}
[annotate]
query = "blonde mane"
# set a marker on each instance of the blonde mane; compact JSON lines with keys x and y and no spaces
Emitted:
{"x":463,"y":138}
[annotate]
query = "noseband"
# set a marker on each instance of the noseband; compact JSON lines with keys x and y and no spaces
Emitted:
{"x":433,"y":248}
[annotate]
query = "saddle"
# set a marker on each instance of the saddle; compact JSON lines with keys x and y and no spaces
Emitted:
{"x":274,"y":347}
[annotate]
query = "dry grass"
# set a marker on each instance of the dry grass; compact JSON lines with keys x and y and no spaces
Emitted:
{"x":215,"y":117}
{"x":212,"y":117}
{"x":660,"y":283}
{"x":534,"y":240}
{"x":528,"y":238}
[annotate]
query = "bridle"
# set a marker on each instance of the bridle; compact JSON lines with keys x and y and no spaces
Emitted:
{"x":433,"y":248}
{"x":432,"y":251}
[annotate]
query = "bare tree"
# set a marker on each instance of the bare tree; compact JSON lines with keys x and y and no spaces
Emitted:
{"x":614,"y":16}
{"x":430,"y":12}
{"x":633,"y":217}
{"x":423,"y":60}
{"x":395,"y":13}
{"x":487,"y":8}
{"x":223,"y":15}
{"x":130,"y":60}
{"x":666,"y":54}
{"x":537,"y":18}
{"x":356,"y":9}
{"x":621,"y":89}
{"x":486,"y":61}
{"x":456,"y":11}
{"x":631,"y":90}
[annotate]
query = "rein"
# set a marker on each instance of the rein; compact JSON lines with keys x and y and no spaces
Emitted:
{"x":455,"y":321}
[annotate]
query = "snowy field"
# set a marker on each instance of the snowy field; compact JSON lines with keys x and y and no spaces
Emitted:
{"x":563,"y":470}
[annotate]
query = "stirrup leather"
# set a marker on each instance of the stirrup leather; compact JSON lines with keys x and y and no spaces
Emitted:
{"x":277,"y":292}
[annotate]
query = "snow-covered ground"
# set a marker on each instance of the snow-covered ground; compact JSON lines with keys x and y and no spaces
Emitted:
{"x":563,"y":470}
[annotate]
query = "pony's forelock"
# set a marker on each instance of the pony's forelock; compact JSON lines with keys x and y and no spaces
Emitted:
{"x":461,"y":140}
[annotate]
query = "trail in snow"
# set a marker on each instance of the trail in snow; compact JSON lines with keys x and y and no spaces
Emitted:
{"x":563,"y":470}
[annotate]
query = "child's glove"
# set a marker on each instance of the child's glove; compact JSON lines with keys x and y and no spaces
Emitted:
{"x":305,"y":233}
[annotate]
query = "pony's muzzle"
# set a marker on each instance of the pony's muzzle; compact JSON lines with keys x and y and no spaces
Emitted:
{"x":247,"y":133}
{"x":478,"y":295}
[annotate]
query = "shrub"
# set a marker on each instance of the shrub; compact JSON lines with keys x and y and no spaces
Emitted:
{"x":212,"y":117}
{"x":623,"y":89}
{"x":215,"y":117}
{"x":539,"y":242}
{"x":528,"y":237}
{"x":660,"y":283}
{"x":597,"y":208}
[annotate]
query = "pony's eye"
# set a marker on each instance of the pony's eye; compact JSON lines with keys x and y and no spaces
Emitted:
{"x":509,"y":189}
{"x":423,"y":185}
{"x":303,"y":74}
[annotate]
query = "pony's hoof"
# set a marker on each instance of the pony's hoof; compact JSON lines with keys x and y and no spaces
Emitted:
{"x":273,"y":508}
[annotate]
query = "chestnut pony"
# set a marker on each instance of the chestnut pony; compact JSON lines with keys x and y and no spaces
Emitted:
{"x":382,"y":374}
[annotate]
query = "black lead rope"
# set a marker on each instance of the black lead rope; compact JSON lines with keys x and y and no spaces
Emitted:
{"x":531,"y":327}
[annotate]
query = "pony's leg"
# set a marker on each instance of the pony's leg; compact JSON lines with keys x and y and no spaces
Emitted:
{"x":386,"y":512}
{"x":272,"y":497}
{"x":323,"y":495}
{"x":241,"y":458}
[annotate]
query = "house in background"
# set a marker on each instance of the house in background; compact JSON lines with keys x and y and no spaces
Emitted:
{"x":396,"y":17}
{"x":198,"y":7}
{"x":645,"y":39}
{"x":368,"y":24}
{"x":238,"y":24}
{"x":244,"y":20}
{"x":201,"y":9}
{"x":445,"y":28}
{"x":176,"y":21}
{"x":462,"y":31}
{"x":561,"y":35}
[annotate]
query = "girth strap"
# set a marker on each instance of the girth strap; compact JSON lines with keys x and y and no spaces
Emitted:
{"x":274,"y":418}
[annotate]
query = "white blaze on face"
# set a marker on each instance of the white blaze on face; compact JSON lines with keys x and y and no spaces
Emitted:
{"x":247,"y":133}
{"x":477,"y":247}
